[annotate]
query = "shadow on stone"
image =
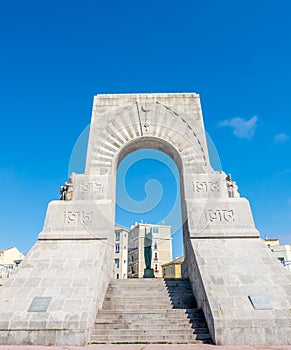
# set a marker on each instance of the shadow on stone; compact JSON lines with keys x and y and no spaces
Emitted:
{"x":181,"y":296}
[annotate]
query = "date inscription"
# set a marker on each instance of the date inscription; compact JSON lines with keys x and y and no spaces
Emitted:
{"x":78,"y":217}
{"x":219,"y":215}
{"x":92,"y":187}
{"x":206,"y":186}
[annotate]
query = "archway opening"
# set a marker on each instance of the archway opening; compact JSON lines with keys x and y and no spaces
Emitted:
{"x":148,"y":192}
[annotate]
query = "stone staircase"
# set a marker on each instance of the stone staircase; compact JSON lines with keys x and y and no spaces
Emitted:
{"x":150,"y":311}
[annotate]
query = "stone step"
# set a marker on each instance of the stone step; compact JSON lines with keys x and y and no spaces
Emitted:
{"x":154,"y":341}
{"x":147,"y":331}
{"x":149,"y":304}
{"x":150,"y":311}
{"x":151,"y":289}
{"x":134,"y":317}
{"x":151,"y":285}
{"x":160,"y":288}
{"x":141,"y":288}
{"x":190,"y":304}
{"x":150,"y":280}
{"x":182,"y":279}
{"x":172,"y":338}
{"x":174,"y":312}
{"x":108,"y":305}
{"x":122,"y":306}
{"x":150,"y":292}
{"x":162,"y":312}
{"x":182,"y":325}
{"x":148,"y":283}
{"x":134,"y":298}
{"x":155,"y":316}
{"x":157,"y":322}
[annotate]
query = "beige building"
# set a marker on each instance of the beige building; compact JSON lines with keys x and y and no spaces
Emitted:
{"x":271,"y":242}
{"x":120,"y":252}
{"x":161,"y":248}
{"x":282,"y":252}
{"x":9,"y":259}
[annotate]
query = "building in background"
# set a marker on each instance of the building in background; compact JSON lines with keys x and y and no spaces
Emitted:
{"x":271,"y":242}
{"x":9,"y":260}
{"x":172,"y":269}
{"x":161,"y":248}
{"x":120,"y":252}
{"x":282,"y":252}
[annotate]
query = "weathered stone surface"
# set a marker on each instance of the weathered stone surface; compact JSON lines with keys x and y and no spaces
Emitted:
{"x":78,"y":219}
{"x":227,"y":217}
{"x":75,"y":278}
{"x":223,"y":290}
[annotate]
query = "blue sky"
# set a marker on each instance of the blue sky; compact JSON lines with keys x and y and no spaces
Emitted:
{"x":56,"y":55}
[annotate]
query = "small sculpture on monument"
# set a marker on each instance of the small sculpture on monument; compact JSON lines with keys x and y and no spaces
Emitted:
{"x":66,"y":191}
{"x":232,"y":187}
{"x":148,"y":240}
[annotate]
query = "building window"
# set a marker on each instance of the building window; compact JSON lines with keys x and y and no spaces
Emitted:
{"x":117,"y":262}
{"x":156,"y":245}
{"x":171,"y":270}
{"x":156,"y":256}
{"x":156,"y":267}
{"x":117,"y":248}
{"x":165,"y":271}
{"x":117,"y":276}
{"x":117,"y":236}
{"x":155,"y":229}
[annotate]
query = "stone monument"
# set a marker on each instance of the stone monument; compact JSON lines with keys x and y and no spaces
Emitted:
{"x":148,"y":241}
{"x":243,"y":290}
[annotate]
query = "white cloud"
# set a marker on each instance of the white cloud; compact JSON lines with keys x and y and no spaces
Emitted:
{"x":281,"y":138}
{"x":242,"y":128}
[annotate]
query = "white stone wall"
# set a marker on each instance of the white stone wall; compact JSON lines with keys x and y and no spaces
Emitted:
{"x":224,"y":273}
{"x":74,"y":275}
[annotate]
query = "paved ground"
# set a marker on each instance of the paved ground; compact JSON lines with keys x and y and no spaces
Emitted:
{"x":145,"y":347}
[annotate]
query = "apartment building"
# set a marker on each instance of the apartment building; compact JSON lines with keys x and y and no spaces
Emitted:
{"x":161,"y":248}
{"x":9,"y":260}
{"x":120,"y":252}
{"x":282,"y":252}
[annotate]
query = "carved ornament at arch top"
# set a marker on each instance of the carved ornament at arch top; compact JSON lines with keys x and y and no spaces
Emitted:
{"x":142,"y":120}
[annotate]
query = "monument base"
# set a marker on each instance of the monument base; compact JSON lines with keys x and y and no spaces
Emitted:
{"x":247,"y":302}
{"x":148,"y":273}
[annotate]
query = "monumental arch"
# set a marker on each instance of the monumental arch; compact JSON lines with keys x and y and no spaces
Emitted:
{"x":243,"y":290}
